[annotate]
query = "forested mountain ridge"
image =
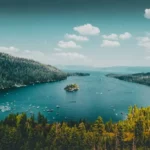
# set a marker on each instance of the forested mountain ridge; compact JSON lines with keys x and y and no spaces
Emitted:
{"x":141,"y":78}
{"x":15,"y":72}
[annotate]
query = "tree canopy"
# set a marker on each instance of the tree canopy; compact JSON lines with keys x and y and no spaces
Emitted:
{"x":15,"y":72}
{"x":18,"y":132}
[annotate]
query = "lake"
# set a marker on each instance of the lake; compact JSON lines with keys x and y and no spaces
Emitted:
{"x":98,"y":96}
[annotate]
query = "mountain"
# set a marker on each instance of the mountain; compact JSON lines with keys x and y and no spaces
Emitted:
{"x":114,"y":69}
{"x":126,"y":69}
{"x":15,"y":72}
{"x":74,"y":68}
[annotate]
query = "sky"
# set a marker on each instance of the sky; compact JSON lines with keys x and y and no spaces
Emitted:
{"x":99,"y":33}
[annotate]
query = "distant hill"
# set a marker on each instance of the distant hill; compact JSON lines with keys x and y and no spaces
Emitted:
{"x":141,"y":78}
{"x":15,"y":72}
{"x":75,"y":68}
{"x":126,"y":69}
{"x":114,"y":69}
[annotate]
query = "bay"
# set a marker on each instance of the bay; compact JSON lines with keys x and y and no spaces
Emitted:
{"x":98,"y":96}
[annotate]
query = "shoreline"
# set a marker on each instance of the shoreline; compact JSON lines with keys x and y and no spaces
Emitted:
{"x":31,"y":84}
{"x":52,"y":81}
{"x":139,"y":78}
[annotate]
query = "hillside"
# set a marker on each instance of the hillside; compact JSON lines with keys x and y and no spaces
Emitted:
{"x":15,"y":72}
{"x":126,"y":69}
{"x":18,"y":132}
{"x":141,"y":78}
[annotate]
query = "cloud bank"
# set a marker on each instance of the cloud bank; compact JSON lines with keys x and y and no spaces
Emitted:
{"x":144,"y":42}
{"x":9,"y":50}
{"x":54,"y":58}
{"x":76,"y":37}
{"x":111,"y":36}
{"x":70,"y":55}
{"x":68,"y":44}
{"x":125,"y":36}
{"x":108,"y":43}
{"x":116,"y":37}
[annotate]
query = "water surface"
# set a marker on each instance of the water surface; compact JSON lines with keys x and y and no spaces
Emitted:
{"x":98,"y":96}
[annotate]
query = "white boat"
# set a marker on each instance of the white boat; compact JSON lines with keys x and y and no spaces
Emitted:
{"x":57,"y":106}
{"x":5,"y":108}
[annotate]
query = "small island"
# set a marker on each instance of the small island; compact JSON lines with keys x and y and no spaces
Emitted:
{"x":71,"y":88}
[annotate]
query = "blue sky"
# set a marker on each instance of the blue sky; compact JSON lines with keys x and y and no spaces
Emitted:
{"x":93,"y":33}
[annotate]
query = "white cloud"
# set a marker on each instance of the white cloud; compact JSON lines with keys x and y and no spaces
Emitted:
{"x":147,"y":33}
{"x":70,"y":58}
{"x":125,"y":36}
{"x":148,"y":57}
{"x":9,"y":50}
{"x":36,"y":55}
{"x":27,"y":51}
{"x":70,"y":55}
{"x":87,"y":29}
{"x":147,"y":13}
{"x":108,"y":43}
{"x":144,"y":42}
{"x":114,"y":36}
{"x":76,"y":37}
{"x":31,"y":54}
{"x":68,"y":44}
{"x":55,"y":58}
{"x":111,"y":36}
{"x":57,"y":49}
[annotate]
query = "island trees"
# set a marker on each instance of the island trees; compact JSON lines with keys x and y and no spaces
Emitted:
{"x":72,"y":88}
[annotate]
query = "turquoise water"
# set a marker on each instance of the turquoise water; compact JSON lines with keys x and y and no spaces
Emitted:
{"x":98,"y":96}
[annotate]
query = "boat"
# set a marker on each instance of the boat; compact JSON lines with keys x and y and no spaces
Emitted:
{"x":57,"y":106}
{"x":31,"y":112}
{"x":5,"y":108}
{"x":121,"y":113}
{"x":50,"y":110}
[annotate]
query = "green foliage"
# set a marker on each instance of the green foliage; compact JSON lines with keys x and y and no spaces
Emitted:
{"x":72,"y":87}
{"x":17,"y":132}
{"x":139,"y":131}
{"x":141,"y":78}
{"x":41,"y":119}
{"x":17,"y":72}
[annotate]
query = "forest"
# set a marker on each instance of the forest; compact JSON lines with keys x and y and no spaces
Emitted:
{"x":19,"y":132}
{"x":141,"y":78}
{"x":16,"y":72}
